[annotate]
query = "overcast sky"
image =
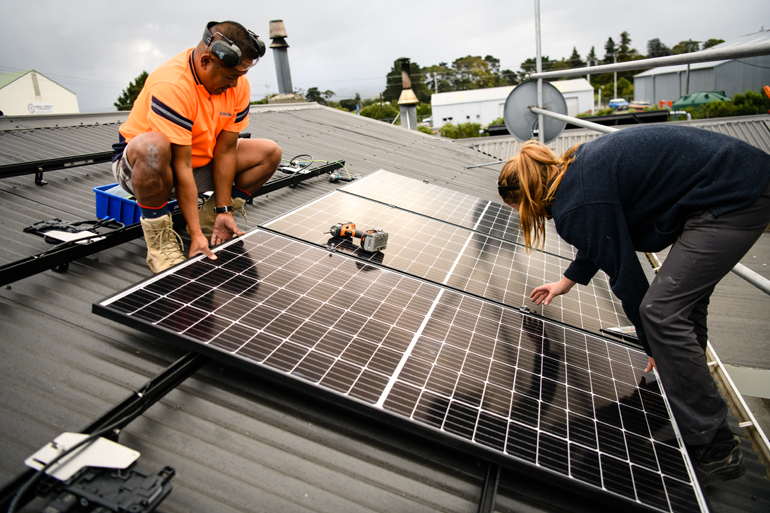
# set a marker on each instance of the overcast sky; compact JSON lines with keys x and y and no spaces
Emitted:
{"x":95,"y":48}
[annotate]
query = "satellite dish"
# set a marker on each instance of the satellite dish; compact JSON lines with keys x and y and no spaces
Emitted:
{"x":521,"y":122}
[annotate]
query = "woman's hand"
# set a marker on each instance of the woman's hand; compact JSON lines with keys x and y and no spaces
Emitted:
{"x":545,"y":293}
{"x":650,"y":365}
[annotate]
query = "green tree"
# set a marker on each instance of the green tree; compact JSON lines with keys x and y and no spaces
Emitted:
{"x":460,"y":131}
{"x":624,"y":50}
{"x":493,"y":63}
{"x":336,"y":105}
{"x":314,"y":95}
{"x":749,"y":103}
{"x":574,"y":60}
{"x":425,"y":129}
{"x":424,"y":110}
{"x":685,"y":47}
{"x":657,"y":49}
{"x":610,"y":49}
{"x":625,"y":89}
{"x":559,"y":65}
{"x":473,"y":72}
{"x":508,"y":77}
{"x":393,"y":80}
{"x":503,"y":76}
{"x":591,"y":58}
{"x":350,"y":104}
{"x":263,"y":101}
{"x":128,"y":97}
{"x":438,"y":78}
{"x":388,"y":111}
{"x":530,"y":66}
{"x":712,"y":42}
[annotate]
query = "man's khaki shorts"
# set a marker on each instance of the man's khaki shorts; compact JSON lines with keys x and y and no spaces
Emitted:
{"x":122,"y":170}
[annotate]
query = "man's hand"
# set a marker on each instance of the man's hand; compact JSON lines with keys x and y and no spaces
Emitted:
{"x":544,"y":294}
{"x":650,"y":365}
{"x":225,"y":229}
{"x":199,"y":244}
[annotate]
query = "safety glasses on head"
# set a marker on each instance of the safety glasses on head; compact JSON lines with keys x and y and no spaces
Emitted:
{"x":226,"y":53}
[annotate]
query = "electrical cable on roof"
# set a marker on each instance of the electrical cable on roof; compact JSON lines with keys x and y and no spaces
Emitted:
{"x":138,"y":409}
{"x":26,"y":486}
{"x":311,"y":161}
{"x":98,"y":224}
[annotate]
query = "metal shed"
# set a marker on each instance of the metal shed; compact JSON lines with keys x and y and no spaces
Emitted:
{"x":31,"y":92}
{"x":731,"y":76}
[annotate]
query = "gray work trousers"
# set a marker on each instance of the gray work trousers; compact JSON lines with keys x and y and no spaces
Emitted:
{"x":674,"y":312}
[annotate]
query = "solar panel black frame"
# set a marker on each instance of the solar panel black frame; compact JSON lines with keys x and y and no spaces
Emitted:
{"x":221,"y":283}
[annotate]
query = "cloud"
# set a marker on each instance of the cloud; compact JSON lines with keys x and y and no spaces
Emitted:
{"x":341,"y":45}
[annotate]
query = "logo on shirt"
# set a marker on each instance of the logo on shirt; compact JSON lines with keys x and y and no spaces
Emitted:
{"x":226,"y":114}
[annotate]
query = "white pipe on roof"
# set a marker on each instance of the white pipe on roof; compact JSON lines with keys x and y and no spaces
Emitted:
{"x":711,"y":54}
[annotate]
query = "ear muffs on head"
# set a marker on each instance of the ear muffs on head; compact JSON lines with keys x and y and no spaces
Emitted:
{"x":225,"y":51}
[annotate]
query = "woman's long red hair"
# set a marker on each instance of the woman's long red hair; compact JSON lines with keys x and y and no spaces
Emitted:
{"x":537,"y":172}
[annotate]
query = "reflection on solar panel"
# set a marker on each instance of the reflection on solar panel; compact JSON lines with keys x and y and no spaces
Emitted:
{"x":530,"y":394}
{"x":458,"y":257}
{"x":454,"y":207}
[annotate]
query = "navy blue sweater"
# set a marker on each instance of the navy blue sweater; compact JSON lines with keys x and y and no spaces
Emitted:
{"x":632,"y":190}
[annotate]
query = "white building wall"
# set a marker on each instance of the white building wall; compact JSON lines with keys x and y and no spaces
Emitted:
{"x":483,"y":106}
{"x":16,"y":96}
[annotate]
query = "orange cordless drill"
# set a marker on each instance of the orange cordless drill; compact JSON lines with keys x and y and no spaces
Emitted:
{"x":374,"y":239}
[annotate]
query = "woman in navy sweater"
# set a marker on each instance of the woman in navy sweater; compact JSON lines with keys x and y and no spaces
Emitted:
{"x":644,"y":189}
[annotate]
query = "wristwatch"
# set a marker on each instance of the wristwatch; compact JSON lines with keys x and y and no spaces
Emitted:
{"x":223,"y":210}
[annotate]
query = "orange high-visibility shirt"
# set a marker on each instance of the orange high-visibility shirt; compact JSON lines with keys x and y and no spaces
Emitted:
{"x":175,"y":103}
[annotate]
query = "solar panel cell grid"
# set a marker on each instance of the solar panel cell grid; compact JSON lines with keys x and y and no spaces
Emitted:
{"x":454,"y":207}
{"x":500,"y":380}
{"x":459,"y":257}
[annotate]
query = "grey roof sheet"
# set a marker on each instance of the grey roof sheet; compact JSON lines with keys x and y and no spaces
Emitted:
{"x":238,"y":443}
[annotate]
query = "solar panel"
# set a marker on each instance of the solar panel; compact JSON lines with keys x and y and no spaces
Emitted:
{"x":458,"y":257}
{"x":453,"y":207}
{"x":536,"y":396}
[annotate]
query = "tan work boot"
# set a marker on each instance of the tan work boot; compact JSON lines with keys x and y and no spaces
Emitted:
{"x":239,"y":207}
{"x":206,"y":214}
{"x":164,"y":245}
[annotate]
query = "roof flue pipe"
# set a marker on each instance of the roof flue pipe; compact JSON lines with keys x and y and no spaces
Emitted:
{"x":407,"y":102}
{"x":281,"y":56}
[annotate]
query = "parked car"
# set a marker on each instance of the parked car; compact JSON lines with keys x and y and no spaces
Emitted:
{"x":619,"y":104}
{"x":639,"y":105}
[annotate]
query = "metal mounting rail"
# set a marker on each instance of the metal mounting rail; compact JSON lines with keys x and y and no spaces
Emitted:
{"x":59,"y":257}
{"x":296,"y":178}
{"x":133,"y":406}
{"x":38,"y":167}
{"x":41,"y":166}
{"x":746,"y":419}
{"x":489,"y":489}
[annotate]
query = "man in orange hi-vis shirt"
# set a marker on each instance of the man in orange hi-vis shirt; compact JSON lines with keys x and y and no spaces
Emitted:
{"x":181,"y":139}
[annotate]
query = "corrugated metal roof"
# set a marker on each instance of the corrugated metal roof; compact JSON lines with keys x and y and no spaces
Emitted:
{"x":24,"y":145}
{"x":61,"y":120}
{"x":238,"y":443}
